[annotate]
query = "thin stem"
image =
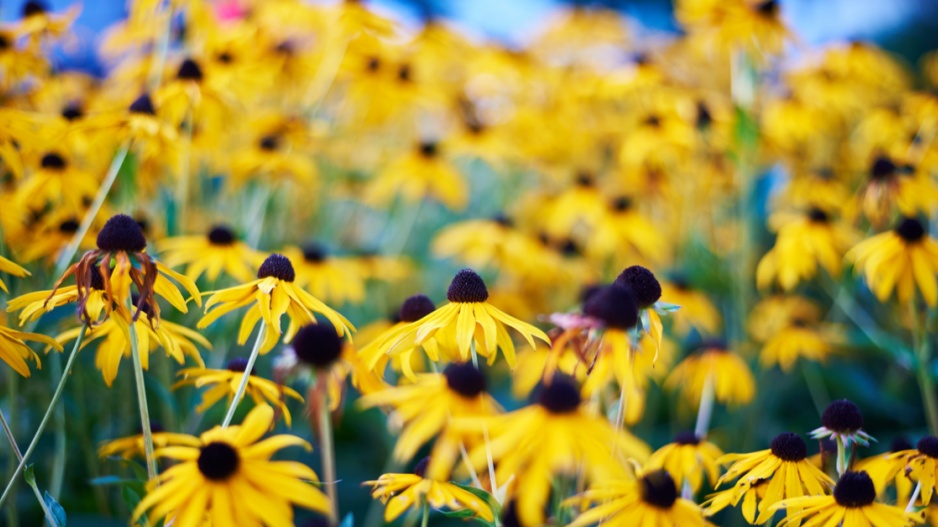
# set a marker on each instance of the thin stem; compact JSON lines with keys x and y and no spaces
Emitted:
{"x":472,"y":470}
{"x":244,"y":378}
{"x":426,"y":512}
{"x":182,"y":181}
{"x":160,"y":52}
{"x":12,"y":516}
{"x":326,"y":449}
{"x":142,"y":399}
{"x":66,"y":257}
{"x":915,"y":493}
{"x":45,"y":418}
{"x":58,"y":427}
{"x":705,"y":410}
{"x":841,"y":457}
{"x":32,"y":484}
{"x":923,"y":356}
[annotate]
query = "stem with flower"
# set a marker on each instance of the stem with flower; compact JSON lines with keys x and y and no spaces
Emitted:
{"x":922,"y":359}
{"x":244,"y":378}
{"x":31,"y":482}
{"x":326,"y":449}
{"x":142,"y":397}
{"x":45,"y":418}
{"x":915,"y":494}
{"x":705,"y":410}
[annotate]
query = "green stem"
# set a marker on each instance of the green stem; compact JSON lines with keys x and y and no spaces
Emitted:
{"x":841,"y":457}
{"x":922,"y":359}
{"x":58,"y":428}
{"x":66,"y":257}
{"x":244,"y":378}
{"x":142,"y":399}
{"x":426,"y":512}
{"x":705,"y":410}
{"x":32,"y":483}
{"x":326,"y":450}
{"x":45,"y":418}
{"x":13,"y":517}
{"x":918,"y":490}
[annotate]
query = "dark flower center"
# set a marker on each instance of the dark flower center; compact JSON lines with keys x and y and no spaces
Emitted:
{"x":464,"y":379}
{"x":883,"y":168}
{"x":713,"y":345}
{"x":269,"y":143}
{"x":842,"y":416}
{"x":817,"y":215}
{"x":374,"y":64}
{"x":569,"y":248}
{"x":510,"y":515}
{"x":584,"y":178}
{"x":33,"y":8}
{"x":421,"y":468}
{"x":314,"y":253}
{"x":415,"y":308}
{"x":4,"y":42}
{"x":218,"y":461}
{"x":467,"y":286}
{"x":910,"y":230}
{"x":687,"y":438}
{"x":622,"y":204}
{"x":97,"y":281}
{"x":769,"y":9}
{"x":658,"y":489}
{"x":855,"y":489}
{"x":225,"y":58}
{"x":122,"y":233}
{"x":72,"y":112}
{"x":789,"y":447}
{"x":899,"y":444}
{"x":502,"y":219}
{"x":318,"y":345}
{"x":643,"y":283}
{"x":316,"y":521}
{"x":429,"y":149}
{"x":404,"y":73}
{"x":53,"y":161}
{"x":614,"y":305}
{"x":653,"y":121}
{"x":221,"y":235}
{"x":189,"y":70}
{"x":928,"y":446}
{"x":238,"y":364}
{"x":69,"y":226}
{"x":143,"y":104}
{"x":561,"y":396}
{"x":278,"y":266}
{"x":704,"y":117}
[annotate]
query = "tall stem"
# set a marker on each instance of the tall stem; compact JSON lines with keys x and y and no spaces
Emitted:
{"x":142,"y":399}
{"x":705,"y":411}
{"x":32,"y":484}
{"x":841,"y":457}
{"x":426,"y":512}
{"x":922,"y":358}
{"x":326,"y":450}
{"x":244,"y":378}
{"x":915,"y":493}
{"x":45,"y":418}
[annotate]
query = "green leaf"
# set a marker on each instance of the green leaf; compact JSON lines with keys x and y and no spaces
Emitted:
{"x":29,"y":476}
{"x":132,"y":499}
{"x":57,"y":511}
{"x":664,"y":307}
{"x":485,"y":497}
{"x":461,"y":514}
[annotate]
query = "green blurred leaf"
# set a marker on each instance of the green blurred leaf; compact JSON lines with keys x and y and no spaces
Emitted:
{"x":132,"y":499}
{"x":486,"y":498}
{"x":58,"y":512}
{"x":29,"y":475}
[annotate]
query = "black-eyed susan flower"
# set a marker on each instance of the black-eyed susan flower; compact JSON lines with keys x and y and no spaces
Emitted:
{"x":467,"y":321}
{"x":786,"y":468}
{"x":272,"y":295}
{"x":35,"y":304}
{"x":323,"y":359}
{"x":58,"y":183}
{"x":651,"y":500}
{"x":697,"y":310}
{"x":853,"y":504}
{"x":15,"y":352}
{"x":802,"y":339}
{"x":417,"y":174}
{"x":229,"y":478}
{"x":895,"y":186}
{"x":688,"y":459}
{"x":330,"y":278}
{"x":556,"y":435}
{"x":900,"y":259}
{"x":223,"y":384}
{"x":919,"y":464}
{"x":39,"y":25}
{"x":219,"y":250}
{"x":751,"y":497}
{"x":647,"y":291}
{"x":889,"y":467}
{"x":6,"y":266}
{"x":714,"y":364}
{"x":426,"y":408}
{"x":400,"y":492}
{"x":842,"y":421}
{"x":133,"y":446}
{"x":273,"y":156}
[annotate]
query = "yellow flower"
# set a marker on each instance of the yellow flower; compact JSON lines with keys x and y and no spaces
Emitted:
{"x":230,"y":479}
{"x":34,"y":305}
{"x":802,"y":339}
{"x":687,"y":459}
{"x":195,"y":98}
{"x":219,"y":250}
{"x":697,"y":310}
{"x":554,"y":436}
{"x":9,"y":267}
{"x":890,"y":467}
{"x":332,"y":279}
{"x":713,"y":363}
{"x":919,"y":464}
{"x":39,"y":25}
{"x":418,"y":174}
{"x":49,"y":235}
{"x":132,"y":446}
{"x":224,"y":383}
{"x":625,"y":234}
{"x":15,"y":352}
{"x":425,"y":409}
{"x":652,"y":500}
{"x":57,"y":183}
{"x":399,"y":492}
{"x":900,"y":259}
{"x":894,"y":187}
{"x":272,"y":156}
{"x":751,"y":497}
{"x":786,"y":468}
{"x":271,"y":296}
{"x":851,"y":505}
{"x":466,"y":321}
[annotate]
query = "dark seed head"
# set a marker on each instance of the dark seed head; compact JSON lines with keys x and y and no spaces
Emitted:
{"x":659,"y":489}
{"x":269,"y":143}
{"x":653,"y":121}
{"x":467,"y":286}
{"x":769,"y":8}
{"x":404,"y":73}
{"x":686,"y":437}
{"x":225,"y":58}
{"x":429,"y":149}
{"x":882,"y":168}
{"x":899,"y":444}
{"x":238,"y":364}
{"x":817,"y":215}
{"x":622,"y":204}
{"x":584,"y":178}
{"x":464,"y":379}
{"x":789,"y":447}
{"x":421,"y":468}
{"x":318,"y":345}
{"x":316,"y":521}
{"x":855,"y":489}
{"x":4,"y":42}
{"x":72,"y":112}
{"x":143,"y":104}
{"x":842,"y":416}
{"x":561,"y":396}
{"x":221,"y":235}
{"x":218,"y":461}
{"x":510,"y":515}
{"x":122,"y":233}
{"x":704,"y":117}
{"x":910,"y":230}
{"x":415,"y":308}
{"x":374,"y":64}
{"x":314,"y":252}
{"x":502,"y":219}
{"x":643,"y":283}
{"x":278,"y":266}
{"x":614,"y":305}
{"x":53,"y":161}
{"x":34,"y":8}
{"x":928,"y":446}
{"x":713,"y":345}
{"x":189,"y":70}
{"x":69,"y":226}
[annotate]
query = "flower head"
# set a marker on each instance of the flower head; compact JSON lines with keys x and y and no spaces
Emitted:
{"x":688,"y":458}
{"x":843,"y":421}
